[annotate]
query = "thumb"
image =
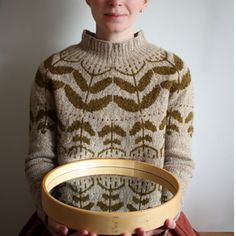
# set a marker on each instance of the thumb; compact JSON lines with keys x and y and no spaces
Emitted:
{"x":170,"y":224}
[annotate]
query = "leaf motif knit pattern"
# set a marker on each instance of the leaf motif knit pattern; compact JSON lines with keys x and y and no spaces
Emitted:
{"x":102,"y":99}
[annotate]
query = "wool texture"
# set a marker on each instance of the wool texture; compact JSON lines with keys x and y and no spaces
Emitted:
{"x":103,"y":99}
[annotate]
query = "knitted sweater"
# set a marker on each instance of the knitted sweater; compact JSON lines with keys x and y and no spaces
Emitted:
{"x":102,"y":99}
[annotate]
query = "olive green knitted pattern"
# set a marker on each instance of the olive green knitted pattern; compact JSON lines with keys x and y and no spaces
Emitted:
{"x":100,"y":99}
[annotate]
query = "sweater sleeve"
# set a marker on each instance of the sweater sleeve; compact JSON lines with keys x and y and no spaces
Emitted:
{"x":41,"y":156}
{"x":179,"y":128}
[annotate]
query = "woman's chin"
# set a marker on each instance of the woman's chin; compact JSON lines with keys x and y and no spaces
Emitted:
{"x":115,"y":28}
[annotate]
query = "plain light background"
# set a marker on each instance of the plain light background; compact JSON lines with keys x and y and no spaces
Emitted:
{"x":200,"y":32}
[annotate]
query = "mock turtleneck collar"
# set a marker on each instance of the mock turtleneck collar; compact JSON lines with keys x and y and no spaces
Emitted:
{"x":111,"y":48}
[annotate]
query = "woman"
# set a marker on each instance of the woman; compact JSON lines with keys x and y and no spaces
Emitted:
{"x":112,"y":95}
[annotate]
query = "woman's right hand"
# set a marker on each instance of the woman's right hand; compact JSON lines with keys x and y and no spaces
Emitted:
{"x":57,"y":229}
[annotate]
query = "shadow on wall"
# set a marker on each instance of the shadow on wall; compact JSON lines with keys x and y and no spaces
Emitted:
{"x":32,"y":31}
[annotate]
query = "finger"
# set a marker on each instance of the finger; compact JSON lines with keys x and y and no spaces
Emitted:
{"x":170,"y":224}
{"x":140,"y":232}
{"x":59,"y":229}
{"x":92,"y":234}
{"x":155,"y":232}
{"x":126,"y":234}
{"x":82,"y":232}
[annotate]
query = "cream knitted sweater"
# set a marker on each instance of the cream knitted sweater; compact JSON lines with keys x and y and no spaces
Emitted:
{"x":101,"y":99}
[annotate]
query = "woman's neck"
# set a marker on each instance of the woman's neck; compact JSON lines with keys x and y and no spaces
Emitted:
{"x":114,"y":36}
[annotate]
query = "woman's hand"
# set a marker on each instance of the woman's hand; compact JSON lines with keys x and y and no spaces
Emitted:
{"x":57,"y":229}
{"x":169,"y":224}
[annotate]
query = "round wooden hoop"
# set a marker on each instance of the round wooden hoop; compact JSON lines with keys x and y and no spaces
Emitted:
{"x":110,"y":223}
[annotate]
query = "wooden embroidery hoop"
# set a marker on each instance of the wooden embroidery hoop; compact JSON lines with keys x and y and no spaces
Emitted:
{"x":110,"y":223}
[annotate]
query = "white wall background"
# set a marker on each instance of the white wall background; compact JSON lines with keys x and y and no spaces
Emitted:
{"x":201,"y":32}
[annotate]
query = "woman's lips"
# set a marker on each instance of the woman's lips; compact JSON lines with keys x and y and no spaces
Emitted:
{"x":114,"y":16}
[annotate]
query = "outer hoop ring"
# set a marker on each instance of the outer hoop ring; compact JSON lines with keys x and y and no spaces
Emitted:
{"x":110,"y":223}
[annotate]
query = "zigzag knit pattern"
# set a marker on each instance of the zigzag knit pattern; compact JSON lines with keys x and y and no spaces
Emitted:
{"x":101,"y":99}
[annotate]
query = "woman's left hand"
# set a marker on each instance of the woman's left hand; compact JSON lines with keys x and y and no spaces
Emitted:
{"x":169,"y":224}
